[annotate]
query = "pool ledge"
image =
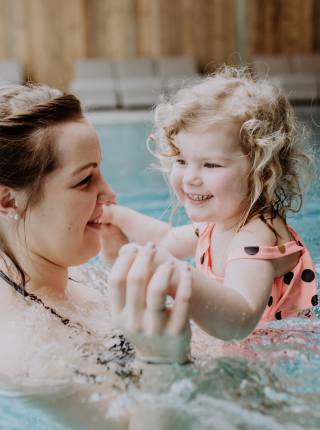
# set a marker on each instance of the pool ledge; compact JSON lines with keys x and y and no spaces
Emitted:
{"x":119,"y":116}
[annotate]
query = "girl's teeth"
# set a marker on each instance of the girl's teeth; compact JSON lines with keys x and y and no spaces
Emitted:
{"x":199,"y":197}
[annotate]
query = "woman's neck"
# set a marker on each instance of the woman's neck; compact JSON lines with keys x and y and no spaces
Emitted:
{"x":43,"y":277}
{"x":48,"y":278}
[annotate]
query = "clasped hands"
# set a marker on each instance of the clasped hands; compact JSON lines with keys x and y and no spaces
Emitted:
{"x":139,"y":287}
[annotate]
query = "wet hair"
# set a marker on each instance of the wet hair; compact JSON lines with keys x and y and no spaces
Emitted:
{"x":28,"y":114}
{"x":269,"y":135}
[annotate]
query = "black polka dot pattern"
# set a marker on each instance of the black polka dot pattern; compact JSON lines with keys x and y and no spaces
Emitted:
{"x":270,"y":301}
{"x":197,"y":232}
{"x":251,"y":250}
{"x":288,"y":278}
{"x":278,"y":315}
{"x":315,"y":300}
{"x":203,"y":256}
{"x":308,"y":313}
{"x":307,"y":275}
{"x":299,"y":243}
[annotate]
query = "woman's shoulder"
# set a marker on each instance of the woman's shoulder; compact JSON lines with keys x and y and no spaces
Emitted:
{"x":23,"y":330}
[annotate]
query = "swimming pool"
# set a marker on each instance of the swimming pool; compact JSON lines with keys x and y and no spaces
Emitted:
{"x":269,"y":381}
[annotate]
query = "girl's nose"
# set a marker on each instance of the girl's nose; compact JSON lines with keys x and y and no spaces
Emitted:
{"x":192,"y":176}
{"x":106,"y":195}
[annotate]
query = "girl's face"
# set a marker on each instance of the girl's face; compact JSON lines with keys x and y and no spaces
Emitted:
{"x":209,"y":176}
{"x":59,"y":228}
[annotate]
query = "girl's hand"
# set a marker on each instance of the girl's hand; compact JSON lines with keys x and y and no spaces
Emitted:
{"x":160,"y":334}
{"x":108,"y":213}
{"x":111,"y":240}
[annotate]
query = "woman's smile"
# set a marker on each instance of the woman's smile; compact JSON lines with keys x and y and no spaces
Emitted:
{"x":95,"y":222}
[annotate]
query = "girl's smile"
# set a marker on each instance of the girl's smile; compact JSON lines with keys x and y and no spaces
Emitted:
{"x":199,"y":198}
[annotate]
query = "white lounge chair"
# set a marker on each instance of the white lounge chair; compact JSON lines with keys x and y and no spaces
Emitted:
{"x":175,"y":71}
{"x":93,"y":83}
{"x":271,"y":65}
{"x":308,"y":66}
{"x":284,"y":73}
{"x":136,"y":83}
{"x":10,"y":72}
{"x":298,"y":88}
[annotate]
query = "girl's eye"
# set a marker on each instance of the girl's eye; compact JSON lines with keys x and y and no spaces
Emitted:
{"x":85,"y":181}
{"x":211,"y":165}
{"x":180,"y":161}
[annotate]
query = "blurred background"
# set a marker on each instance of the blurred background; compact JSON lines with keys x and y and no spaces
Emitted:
{"x":47,"y":36}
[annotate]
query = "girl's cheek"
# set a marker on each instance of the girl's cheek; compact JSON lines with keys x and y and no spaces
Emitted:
{"x":173,"y":180}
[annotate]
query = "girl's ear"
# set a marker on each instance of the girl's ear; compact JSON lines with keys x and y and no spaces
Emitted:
{"x":7,"y":201}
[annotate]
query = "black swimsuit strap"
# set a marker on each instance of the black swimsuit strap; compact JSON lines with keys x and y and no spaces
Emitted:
{"x":36,"y":299}
{"x":121,"y":349}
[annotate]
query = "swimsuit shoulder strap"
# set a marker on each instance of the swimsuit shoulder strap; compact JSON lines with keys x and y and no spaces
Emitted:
{"x":21,"y":290}
{"x":266,"y":252}
{"x":270,"y":252}
{"x":13,"y":284}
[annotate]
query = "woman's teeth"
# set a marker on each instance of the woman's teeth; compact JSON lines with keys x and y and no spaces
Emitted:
{"x":199,"y":197}
{"x":95,"y":221}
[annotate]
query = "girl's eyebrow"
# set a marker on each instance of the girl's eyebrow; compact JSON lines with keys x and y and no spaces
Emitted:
{"x":84,"y":167}
{"x":213,"y":156}
{"x":209,"y":157}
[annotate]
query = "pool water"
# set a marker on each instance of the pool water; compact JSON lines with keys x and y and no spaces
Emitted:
{"x":269,"y":381}
{"x":266,"y":382}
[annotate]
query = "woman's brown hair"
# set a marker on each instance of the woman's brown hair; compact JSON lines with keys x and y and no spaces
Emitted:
{"x":27,"y":151}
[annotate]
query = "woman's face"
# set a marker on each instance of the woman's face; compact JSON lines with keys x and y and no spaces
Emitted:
{"x":59,"y":228}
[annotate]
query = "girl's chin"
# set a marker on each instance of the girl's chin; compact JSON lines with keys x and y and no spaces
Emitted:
{"x":195,"y":216}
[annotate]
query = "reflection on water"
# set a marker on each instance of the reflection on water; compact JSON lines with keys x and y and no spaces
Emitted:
{"x":268,"y":381}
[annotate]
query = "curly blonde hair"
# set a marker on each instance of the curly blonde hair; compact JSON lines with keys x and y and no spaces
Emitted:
{"x":277,"y":149}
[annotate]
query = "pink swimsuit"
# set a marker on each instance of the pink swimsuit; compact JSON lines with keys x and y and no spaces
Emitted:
{"x":291,"y":294}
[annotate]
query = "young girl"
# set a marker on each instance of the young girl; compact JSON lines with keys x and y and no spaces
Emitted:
{"x":235,"y":162}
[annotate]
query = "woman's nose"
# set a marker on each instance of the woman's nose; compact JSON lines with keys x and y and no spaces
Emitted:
{"x":106,"y":195}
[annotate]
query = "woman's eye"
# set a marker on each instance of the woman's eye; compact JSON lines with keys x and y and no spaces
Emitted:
{"x":211,"y":165}
{"x":85,"y":181}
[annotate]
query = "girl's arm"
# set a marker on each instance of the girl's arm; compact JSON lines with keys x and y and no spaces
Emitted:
{"x":232,"y":310}
{"x":139,"y":228}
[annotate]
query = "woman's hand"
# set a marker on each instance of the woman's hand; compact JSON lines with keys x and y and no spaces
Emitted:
{"x":138,"y":292}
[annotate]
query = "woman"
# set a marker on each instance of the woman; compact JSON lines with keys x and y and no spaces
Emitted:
{"x":51,"y":198}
